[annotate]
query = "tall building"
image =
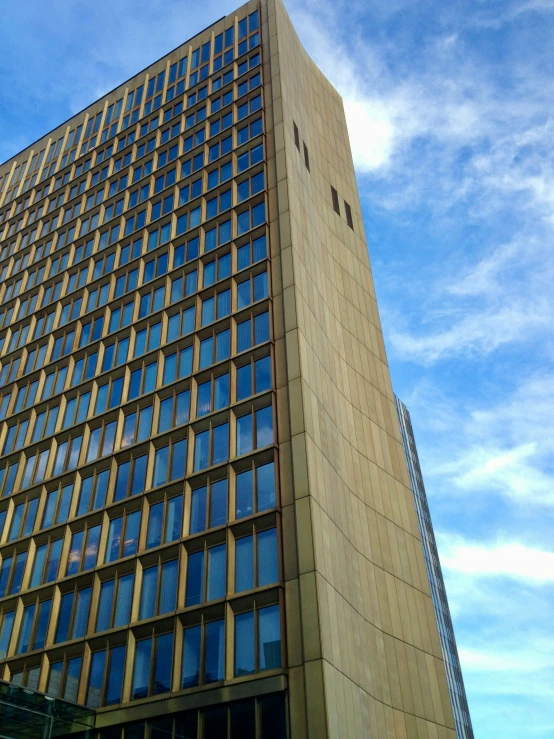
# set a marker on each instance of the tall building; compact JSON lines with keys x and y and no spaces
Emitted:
{"x":207,"y":525}
{"x":454,"y":676}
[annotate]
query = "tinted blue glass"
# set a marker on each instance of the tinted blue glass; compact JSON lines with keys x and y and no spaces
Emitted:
{"x":264,"y":426}
{"x":82,"y":612}
{"x":268,"y":569}
{"x":244,"y":644}
{"x":198,"y":510}
{"x":244,"y":434}
{"x":215,"y":651}
{"x":191,"y":657}
{"x":244,"y":495}
{"x":220,"y":443}
{"x":66,"y":604}
{"x":103,"y":620}
{"x":217,"y":572}
{"x":265,"y":475}
{"x":244,"y":564}
{"x":141,"y":670}
{"x":124,"y":599}
{"x":94,"y":693}
{"x":168,"y":586}
{"x":269,"y":637}
{"x":218,"y":507}
{"x":262,"y":369}
{"x":244,"y":381}
{"x":201,"y":448}
{"x":164,"y":664}
{"x":115,"y":675}
{"x":195,"y":579}
{"x":154,"y":533}
{"x":148,"y":592}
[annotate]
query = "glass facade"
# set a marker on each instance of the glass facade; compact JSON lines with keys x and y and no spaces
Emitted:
{"x":456,"y":687}
{"x":139,"y":494}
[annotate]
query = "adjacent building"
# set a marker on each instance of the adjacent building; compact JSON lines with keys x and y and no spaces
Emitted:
{"x":438,"y":592}
{"x":207,"y":527}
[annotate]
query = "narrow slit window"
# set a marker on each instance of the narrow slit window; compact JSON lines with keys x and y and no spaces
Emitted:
{"x":335,"y":196}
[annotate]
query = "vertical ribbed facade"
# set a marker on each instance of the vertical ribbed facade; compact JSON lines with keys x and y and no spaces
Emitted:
{"x":454,"y":676}
{"x":206,"y":521}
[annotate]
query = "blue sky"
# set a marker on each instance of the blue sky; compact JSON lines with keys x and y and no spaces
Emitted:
{"x":449,"y":107}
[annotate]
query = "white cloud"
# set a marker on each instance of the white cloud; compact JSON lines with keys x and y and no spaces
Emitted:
{"x":501,"y":559}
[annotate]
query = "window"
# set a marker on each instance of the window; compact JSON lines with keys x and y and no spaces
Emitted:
{"x":178,"y":364}
{"x":255,"y":490}
{"x":183,"y":285}
{"x":147,"y":338}
{"x":159,"y":589}
{"x":64,"y":677}
{"x":212,"y":394}
{"x":6,"y":626}
{"x":137,"y":426}
{"x":174,"y":410}
{"x":83,"y":551}
{"x":214,"y":348}
{"x":251,"y":106}
{"x":181,"y":323}
{"x":251,"y":218}
{"x":249,"y":158}
{"x":217,"y":235}
{"x":253,"y":331}
{"x":170,"y":462}
{"x":256,"y":562}
{"x":253,"y":378}
{"x":131,"y":477}
{"x":252,"y":129}
{"x":93,"y":491}
{"x":67,"y":457}
{"x":153,"y":666}
{"x":250,"y":186}
{"x":306,"y":157}
{"x":106,"y":676}
{"x":217,"y":269}
{"x":335,"y":197}
{"x":76,"y":411}
{"x":215,"y":306}
{"x":165,"y":520}
{"x":209,"y":506}
{"x":203,"y":658}
{"x":34,"y":626}
{"x":257,"y":640}
{"x":101,"y":441}
{"x":23,"y":519}
{"x":254,"y":288}
{"x":206,"y":575}
{"x":57,"y":505}
{"x":114,"y":605}
{"x":296,"y":136}
{"x":254,"y":430}
{"x":123,"y":533}
{"x":84,"y":368}
{"x":348,"y":211}
{"x":142,"y":380}
{"x":73,"y":615}
{"x":46,"y":563}
{"x":211,"y":446}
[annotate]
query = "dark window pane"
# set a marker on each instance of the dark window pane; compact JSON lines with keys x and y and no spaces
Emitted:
{"x":243,"y":720}
{"x":272,"y":716}
{"x":218,"y":510}
{"x":215,"y":722}
{"x":115,"y":675}
{"x":244,"y":493}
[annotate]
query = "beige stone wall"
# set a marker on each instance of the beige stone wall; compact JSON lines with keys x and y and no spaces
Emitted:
{"x":363,"y":647}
